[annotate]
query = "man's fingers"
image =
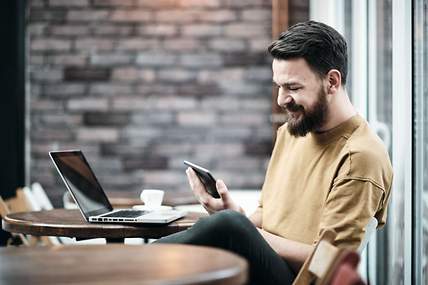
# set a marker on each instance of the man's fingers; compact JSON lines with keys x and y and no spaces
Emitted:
{"x":222,"y":189}
{"x":197,"y":186}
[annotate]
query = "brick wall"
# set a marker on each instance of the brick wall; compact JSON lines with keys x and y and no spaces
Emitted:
{"x":141,"y":85}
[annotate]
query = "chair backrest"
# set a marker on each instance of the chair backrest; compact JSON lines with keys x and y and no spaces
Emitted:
{"x":41,"y":197}
{"x":4,"y":210}
{"x":30,"y":200}
{"x":370,"y":230}
{"x":317,"y":266}
{"x":323,"y":261}
{"x":24,"y":201}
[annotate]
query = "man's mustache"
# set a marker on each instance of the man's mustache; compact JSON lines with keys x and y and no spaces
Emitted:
{"x":292,"y":107}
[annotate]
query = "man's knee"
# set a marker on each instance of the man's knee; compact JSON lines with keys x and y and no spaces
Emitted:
{"x":228,"y":220}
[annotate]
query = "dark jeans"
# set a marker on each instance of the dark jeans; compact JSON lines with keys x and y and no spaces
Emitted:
{"x":233,"y":231}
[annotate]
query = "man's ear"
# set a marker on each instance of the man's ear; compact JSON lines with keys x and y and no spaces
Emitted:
{"x":334,"y":81}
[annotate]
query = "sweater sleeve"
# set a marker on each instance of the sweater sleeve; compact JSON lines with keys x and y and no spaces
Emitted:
{"x":348,"y":208}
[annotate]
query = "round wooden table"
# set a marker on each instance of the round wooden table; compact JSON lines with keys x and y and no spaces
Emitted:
{"x":70,"y":223}
{"x":121,"y":264}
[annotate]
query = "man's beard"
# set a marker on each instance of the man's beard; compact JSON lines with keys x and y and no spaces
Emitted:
{"x":310,"y":119}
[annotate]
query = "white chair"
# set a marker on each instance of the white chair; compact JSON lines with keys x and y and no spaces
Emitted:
{"x":370,"y":229}
{"x":41,"y":197}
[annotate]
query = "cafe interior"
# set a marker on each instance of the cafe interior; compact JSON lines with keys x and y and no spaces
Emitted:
{"x":135,"y":87}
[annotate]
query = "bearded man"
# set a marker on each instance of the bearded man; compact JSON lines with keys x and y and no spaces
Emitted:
{"x":328,"y":170}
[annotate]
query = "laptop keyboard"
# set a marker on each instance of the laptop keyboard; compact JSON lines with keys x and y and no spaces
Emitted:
{"x":126,"y":214}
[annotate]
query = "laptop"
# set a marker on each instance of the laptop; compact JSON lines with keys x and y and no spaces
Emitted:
{"x":91,"y":199}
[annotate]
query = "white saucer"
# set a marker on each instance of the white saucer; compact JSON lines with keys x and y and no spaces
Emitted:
{"x":145,"y":208}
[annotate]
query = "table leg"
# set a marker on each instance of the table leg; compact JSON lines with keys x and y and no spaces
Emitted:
{"x":115,"y":240}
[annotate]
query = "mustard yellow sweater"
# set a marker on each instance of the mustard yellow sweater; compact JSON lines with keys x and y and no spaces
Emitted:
{"x":336,"y":179}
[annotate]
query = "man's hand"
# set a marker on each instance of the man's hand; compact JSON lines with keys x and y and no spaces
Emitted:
{"x":211,"y":204}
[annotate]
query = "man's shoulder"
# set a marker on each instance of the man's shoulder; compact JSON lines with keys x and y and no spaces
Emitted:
{"x":368,"y":156}
{"x":365,"y":143}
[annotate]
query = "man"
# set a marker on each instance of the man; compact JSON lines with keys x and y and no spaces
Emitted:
{"x":327,"y":170}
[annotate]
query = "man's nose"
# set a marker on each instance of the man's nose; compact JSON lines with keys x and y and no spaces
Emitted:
{"x":283,"y":98}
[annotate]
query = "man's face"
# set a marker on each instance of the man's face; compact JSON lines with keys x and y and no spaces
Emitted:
{"x":301,"y":94}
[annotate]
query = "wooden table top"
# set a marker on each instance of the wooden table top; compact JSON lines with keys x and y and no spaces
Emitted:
{"x":171,"y":198}
{"x":70,"y":223}
{"x":121,"y":264}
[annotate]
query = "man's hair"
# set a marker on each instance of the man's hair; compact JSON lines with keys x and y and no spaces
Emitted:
{"x":320,"y":45}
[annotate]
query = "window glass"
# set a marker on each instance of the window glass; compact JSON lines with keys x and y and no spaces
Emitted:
{"x":421,"y":142}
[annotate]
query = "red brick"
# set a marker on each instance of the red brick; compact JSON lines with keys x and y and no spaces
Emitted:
{"x":125,"y":74}
{"x":46,"y":74}
{"x":105,"y":119}
{"x":137,"y":44}
{"x":94,"y":43}
{"x":64,"y":89}
{"x":176,"y":16}
{"x":66,"y":59}
{"x":247,"y":3}
{"x":259,"y":44}
{"x":110,"y":89}
{"x":131,"y":16}
{"x":156,"y":59}
{"x":222,"y":44}
{"x":258,"y":15}
{"x":107,"y":59}
{"x":218,"y":16}
{"x":196,"y":118}
{"x":113,"y":3}
{"x":199,"y":3}
{"x":159,"y":4}
{"x":98,"y":134}
{"x":246,"y":30}
{"x":53,"y":16}
{"x":87,"y":15}
{"x":131,"y":74}
{"x":176,"y":75}
{"x":181,"y":44}
{"x":37,"y":29}
{"x":157,"y":30}
{"x":50,"y":44}
{"x":201,"y":30}
{"x":74,"y":73}
{"x":200,"y":60}
{"x":88,"y":104}
{"x":68,"y":3}
{"x":112,"y":30}
{"x":68,"y":30}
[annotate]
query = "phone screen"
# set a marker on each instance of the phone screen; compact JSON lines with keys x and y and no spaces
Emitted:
{"x":206,"y":178}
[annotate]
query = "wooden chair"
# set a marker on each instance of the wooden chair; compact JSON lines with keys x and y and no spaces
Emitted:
{"x":40,"y":196}
{"x":326,"y":262}
{"x":319,"y":265}
{"x":4,"y":210}
{"x":23,"y":202}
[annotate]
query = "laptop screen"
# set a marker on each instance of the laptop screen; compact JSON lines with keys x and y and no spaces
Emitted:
{"x":81,"y":182}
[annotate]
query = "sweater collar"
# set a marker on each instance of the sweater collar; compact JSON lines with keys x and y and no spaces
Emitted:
{"x":344,"y":129}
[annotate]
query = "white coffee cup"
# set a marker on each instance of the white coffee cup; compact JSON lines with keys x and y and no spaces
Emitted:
{"x":152,"y":198}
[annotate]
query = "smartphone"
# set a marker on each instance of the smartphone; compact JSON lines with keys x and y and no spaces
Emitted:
{"x":206,"y":178}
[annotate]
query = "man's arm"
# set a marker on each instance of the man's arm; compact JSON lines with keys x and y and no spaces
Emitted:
{"x":256,"y":217}
{"x":295,"y":253}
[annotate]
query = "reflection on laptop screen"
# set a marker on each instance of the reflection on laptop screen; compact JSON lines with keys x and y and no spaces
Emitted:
{"x":82,"y":182}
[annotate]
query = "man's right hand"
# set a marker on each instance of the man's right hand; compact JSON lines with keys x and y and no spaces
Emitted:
{"x":210,"y":203}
